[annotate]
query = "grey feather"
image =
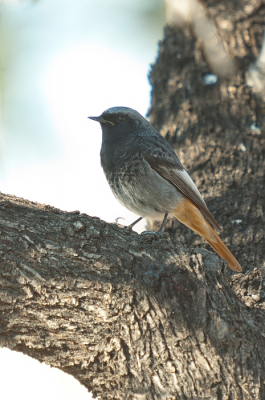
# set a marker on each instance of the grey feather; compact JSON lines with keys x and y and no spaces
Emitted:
{"x":167,"y":164}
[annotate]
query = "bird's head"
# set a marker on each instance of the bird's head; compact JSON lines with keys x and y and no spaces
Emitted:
{"x":120,"y":121}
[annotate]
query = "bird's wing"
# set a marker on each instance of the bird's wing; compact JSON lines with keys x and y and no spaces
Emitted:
{"x":162,"y":158}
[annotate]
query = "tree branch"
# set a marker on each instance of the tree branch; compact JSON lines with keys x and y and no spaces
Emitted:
{"x":130,"y":317}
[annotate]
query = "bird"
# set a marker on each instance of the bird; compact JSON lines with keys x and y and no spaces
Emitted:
{"x":147,"y":177}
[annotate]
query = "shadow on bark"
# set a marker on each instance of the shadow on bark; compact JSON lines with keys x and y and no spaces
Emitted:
{"x":136,"y":318}
{"x":128,"y":316}
{"x":218,"y":133}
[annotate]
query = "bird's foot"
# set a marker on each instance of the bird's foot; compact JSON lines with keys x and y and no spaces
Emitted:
{"x":117,"y":223}
{"x":150,"y":236}
{"x":117,"y":220}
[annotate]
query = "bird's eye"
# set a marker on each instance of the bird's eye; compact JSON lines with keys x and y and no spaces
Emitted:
{"x":120,"y":118}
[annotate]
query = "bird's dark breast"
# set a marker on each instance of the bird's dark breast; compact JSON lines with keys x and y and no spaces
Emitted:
{"x":122,"y":170}
{"x":128,"y":181}
{"x":116,"y":155}
{"x":122,"y":165}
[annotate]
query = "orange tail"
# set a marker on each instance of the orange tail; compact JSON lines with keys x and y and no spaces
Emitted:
{"x":187,"y":213}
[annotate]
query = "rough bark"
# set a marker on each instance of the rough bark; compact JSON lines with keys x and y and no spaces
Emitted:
{"x":239,"y":23}
{"x":218,"y":131}
{"x":133,"y":317}
{"x":130,"y":317}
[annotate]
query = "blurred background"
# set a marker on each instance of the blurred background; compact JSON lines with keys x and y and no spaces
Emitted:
{"x":60,"y":62}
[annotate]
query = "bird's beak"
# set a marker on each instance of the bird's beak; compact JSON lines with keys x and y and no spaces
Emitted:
{"x":101,"y":120}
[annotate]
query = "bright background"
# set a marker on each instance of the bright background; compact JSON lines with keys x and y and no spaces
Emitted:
{"x":60,"y":62}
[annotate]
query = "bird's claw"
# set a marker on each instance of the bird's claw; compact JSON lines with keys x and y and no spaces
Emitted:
{"x":151,"y":235}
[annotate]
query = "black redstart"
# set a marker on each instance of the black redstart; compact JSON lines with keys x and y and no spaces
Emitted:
{"x":147,"y":177}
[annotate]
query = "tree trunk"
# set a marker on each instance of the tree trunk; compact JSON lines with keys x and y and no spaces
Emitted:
{"x":217,"y":130}
{"x":132,"y":317}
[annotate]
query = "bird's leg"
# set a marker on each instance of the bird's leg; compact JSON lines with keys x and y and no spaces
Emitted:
{"x":163,"y":223}
{"x":134,"y":223}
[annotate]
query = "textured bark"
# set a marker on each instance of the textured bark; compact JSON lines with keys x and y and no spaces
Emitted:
{"x":140,"y":318}
{"x":239,"y":23}
{"x":219,"y":133}
{"x":130,"y":317}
